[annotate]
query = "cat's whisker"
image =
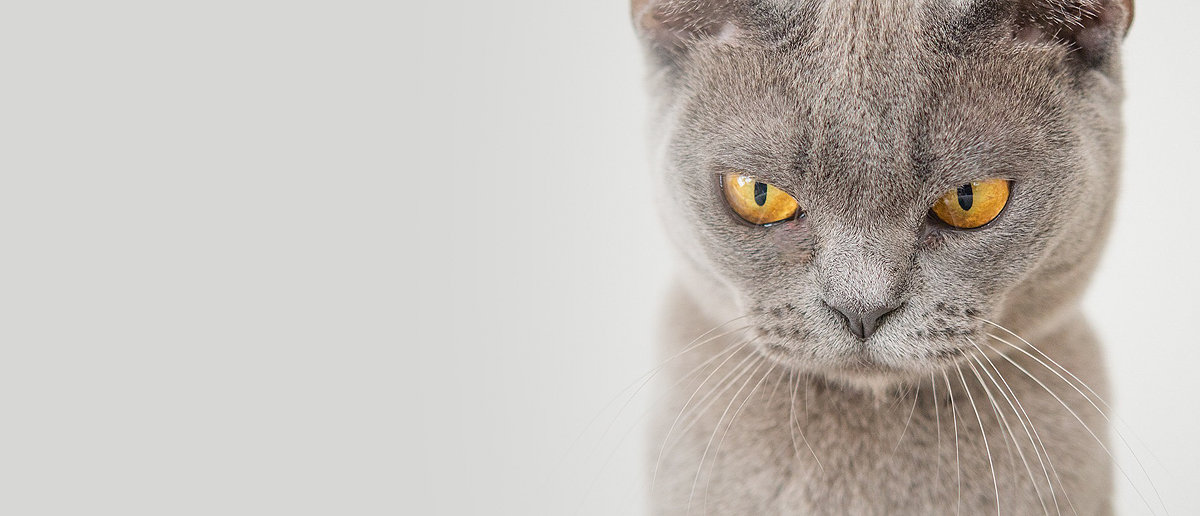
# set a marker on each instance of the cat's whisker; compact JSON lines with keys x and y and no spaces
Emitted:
{"x":696,"y":414}
{"x":937,"y":418}
{"x":704,"y":338}
{"x":1081,"y":422}
{"x":794,"y":424}
{"x":1044,"y":450}
{"x":1081,"y":382}
{"x":732,"y":348}
{"x":904,"y":432}
{"x":684,"y":378}
{"x":1090,"y":401}
{"x":645,"y":379}
{"x":778,"y":382}
{"x":659,"y":369}
{"x":807,"y":398}
{"x":1008,"y":427}
{"x":897,"y":399}
{"x":687,"y":411}
{"x":666,"y":394}
{"x":658,"y":462}
{"x":957,"y":456}
{"x":1030,"y":430}
{"x":696,"y":480}
{"x":1042,"y":353}
{"x":717,"y":454}
{"x":1001,"y":423}
{"x":983,"y":432}
{"x":709,"y":400}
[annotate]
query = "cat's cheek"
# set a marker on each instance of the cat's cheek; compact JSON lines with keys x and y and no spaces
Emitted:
{"x":794,"y":242}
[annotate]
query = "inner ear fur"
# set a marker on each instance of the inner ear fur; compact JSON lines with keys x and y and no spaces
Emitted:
{"x":1092,"y":28}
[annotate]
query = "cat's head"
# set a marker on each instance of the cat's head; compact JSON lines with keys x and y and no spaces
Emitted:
{"x":870,"y":181}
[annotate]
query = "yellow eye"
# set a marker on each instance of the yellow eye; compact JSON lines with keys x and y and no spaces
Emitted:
{"x":757,"y":202}
{"x":973,"y":205}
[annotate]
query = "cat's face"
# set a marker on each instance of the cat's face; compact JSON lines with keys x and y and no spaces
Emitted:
{"x":867,"y":116}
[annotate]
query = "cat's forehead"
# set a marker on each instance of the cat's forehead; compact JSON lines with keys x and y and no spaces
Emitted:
{"x":891,"y":106}
{"x":846,"y":42}
{"x":866,"y":27}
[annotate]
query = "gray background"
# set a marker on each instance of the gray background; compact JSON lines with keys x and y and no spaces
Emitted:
{"x":381,"y":258}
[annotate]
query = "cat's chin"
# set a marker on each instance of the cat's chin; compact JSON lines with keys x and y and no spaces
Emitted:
{"x":859,"y":370}
{"x":879,"y":381}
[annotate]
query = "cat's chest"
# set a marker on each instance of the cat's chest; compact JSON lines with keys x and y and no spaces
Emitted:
{"x":792,"y":452}
{"x":840,"y":457}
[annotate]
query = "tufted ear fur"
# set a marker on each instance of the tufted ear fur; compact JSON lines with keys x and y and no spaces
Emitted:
{"x":1093,"y":28}
{"x":671,"y":27}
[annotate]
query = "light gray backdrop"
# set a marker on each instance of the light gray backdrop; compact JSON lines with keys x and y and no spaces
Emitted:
{"x":384,"y":258}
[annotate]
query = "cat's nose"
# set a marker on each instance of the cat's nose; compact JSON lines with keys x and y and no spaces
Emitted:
{"x":864,"y":322}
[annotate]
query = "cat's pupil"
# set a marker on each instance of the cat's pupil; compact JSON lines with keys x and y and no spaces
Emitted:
{"x":760,"y":194}
{"x":966,"y":197}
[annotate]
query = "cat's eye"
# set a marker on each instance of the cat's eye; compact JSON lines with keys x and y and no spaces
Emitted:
{"x":973,"y":205}
{"x":757,"y":202}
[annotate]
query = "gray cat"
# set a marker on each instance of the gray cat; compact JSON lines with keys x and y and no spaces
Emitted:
{"x":886,"y":212}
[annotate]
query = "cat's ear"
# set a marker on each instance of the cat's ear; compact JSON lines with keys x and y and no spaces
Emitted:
{"x":672,"y":27}
{"x":1093,"y":28}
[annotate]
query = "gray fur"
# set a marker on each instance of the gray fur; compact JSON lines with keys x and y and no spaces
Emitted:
{"x":867,"y":111}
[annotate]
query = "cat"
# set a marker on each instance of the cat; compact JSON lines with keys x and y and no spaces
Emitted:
{"x":885,"y":213}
